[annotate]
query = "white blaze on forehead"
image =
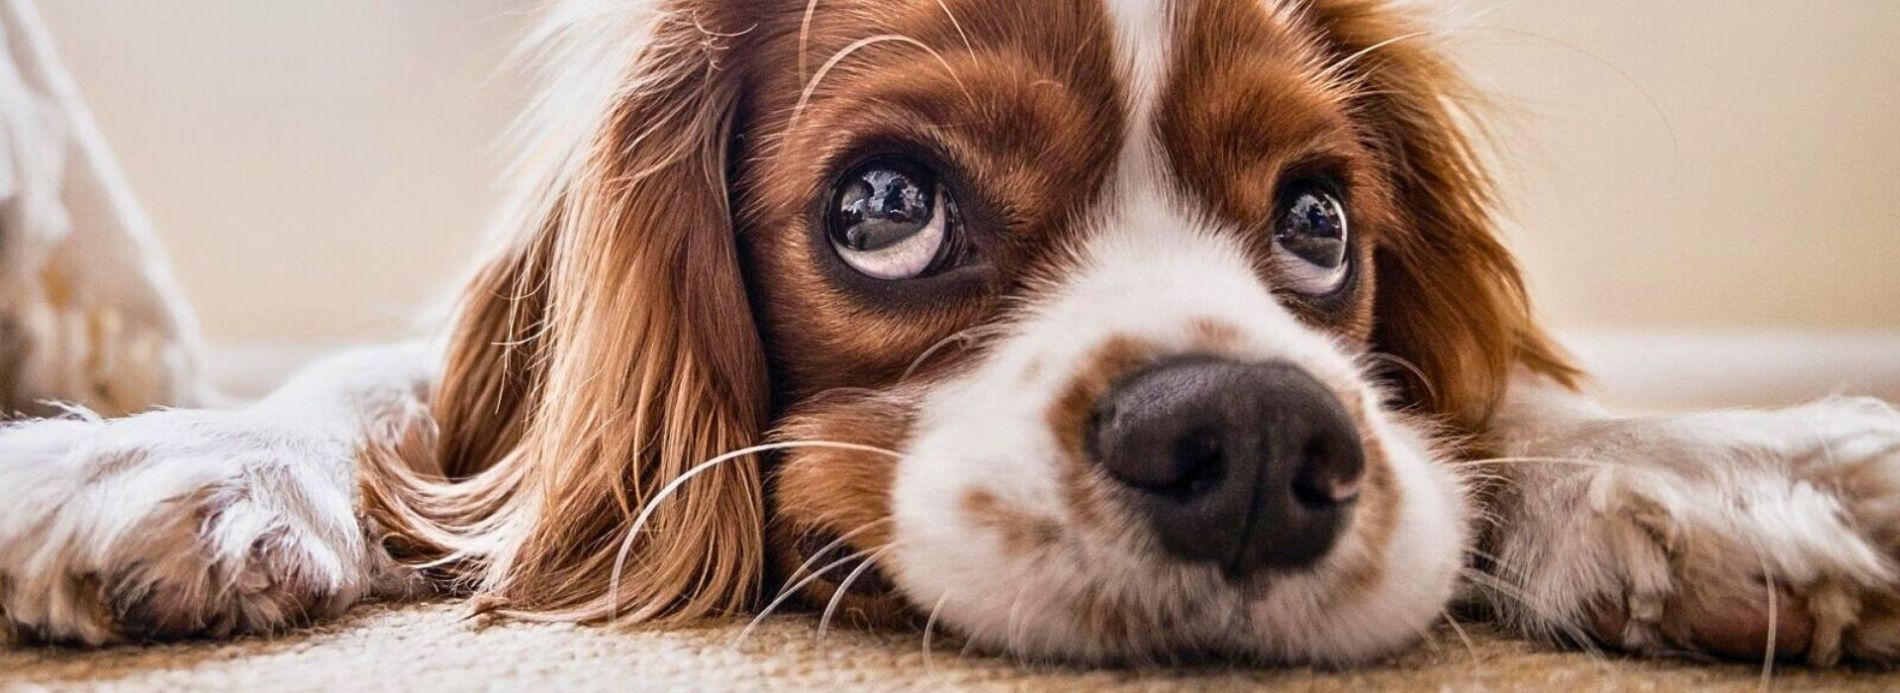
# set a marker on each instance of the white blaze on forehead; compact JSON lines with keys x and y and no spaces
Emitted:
{"x":1144,"y":34}
{"x":1144,"y":40}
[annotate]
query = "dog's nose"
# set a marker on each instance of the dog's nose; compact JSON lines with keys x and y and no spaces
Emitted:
{"x":1247,"y":465}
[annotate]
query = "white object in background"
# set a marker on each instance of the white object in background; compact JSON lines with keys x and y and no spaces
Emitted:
{"x":89,"y":312}
{"x":1693,"y":369}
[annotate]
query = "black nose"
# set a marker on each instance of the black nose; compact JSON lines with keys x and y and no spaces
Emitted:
{"x":1248,"y":465}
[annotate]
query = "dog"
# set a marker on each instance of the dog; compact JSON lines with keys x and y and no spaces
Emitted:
{"x":1093,"y":331}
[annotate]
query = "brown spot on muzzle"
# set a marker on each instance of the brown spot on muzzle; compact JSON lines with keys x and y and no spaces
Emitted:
{"x":1020,"y":531}
{"x":1069,"y":421}
{"x":1214,"y":335}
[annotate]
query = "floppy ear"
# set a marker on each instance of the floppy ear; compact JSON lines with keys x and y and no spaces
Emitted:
{"x":602,"y":356}
{"x":1450,"y":297}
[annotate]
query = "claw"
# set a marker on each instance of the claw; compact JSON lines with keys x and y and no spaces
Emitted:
{"x":1834,"y":610}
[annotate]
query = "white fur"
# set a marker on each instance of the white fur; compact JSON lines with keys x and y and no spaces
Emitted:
{"x":1150,"y":270}
{"x":1144,"y":42}
{"x":1147,"y":276}
{"x":1644,"y":511}
{"x":236,"y":521}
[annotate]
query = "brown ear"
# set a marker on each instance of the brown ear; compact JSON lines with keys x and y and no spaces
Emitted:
{"x":1451,"y":300}
{"x":601,"y":357}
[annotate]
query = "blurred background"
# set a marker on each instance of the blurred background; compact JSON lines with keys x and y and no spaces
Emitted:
{"x":1723,"y":168}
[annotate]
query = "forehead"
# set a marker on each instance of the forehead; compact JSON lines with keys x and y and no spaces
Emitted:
{"x":1054,"y":94}
{"x":1129,"y":45}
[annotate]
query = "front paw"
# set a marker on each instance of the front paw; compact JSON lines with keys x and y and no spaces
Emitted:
{"x":1735,"y":534}
{"x":171,"y":525}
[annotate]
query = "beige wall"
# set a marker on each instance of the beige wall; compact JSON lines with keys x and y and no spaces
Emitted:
{"x":1776,"y":204}
{"x":320,"y":167}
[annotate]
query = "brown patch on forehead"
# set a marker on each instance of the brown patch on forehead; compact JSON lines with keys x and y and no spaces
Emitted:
{"x":1015,"y":104}
{"x":1242,"y":105}
{"x":1247,"y":109}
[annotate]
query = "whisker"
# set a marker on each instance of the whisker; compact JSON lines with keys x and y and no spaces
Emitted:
{"x":1774,"y":613}
{"x":1542,"y":460}
{"x":811,"y":87}
{"x":1655,"y":105}
{"x":1408,"y":366}
{"x":1470,"y":649}
{"x":959,"y":25}
{"x":1332,"y":72}
{"x":804,"y":38}
{"x":1335,"y":72}
{"x":837,"y":597}
{"x":930,"y":625}
{"x":646,"y":513}
{"x":1475,"y":17}
{"x":787,"y":593}
{"x":961,"y":338}
{"x":820,"y":553}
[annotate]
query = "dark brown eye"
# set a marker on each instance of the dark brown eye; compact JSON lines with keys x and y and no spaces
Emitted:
{"x":891,"y":219}
{"x":1312,"y":237}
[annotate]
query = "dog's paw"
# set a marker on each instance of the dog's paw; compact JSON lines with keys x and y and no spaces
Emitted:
{"x":1734,"y":534}
{"x":174,"y":524}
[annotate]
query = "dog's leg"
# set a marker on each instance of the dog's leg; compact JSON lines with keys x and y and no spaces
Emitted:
{"x":182,"y":523}
{"x":1723,"y":533}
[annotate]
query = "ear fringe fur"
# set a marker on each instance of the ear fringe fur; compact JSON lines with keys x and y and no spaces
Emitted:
{"x":1451,"y":298}
{"x":601,"y":356}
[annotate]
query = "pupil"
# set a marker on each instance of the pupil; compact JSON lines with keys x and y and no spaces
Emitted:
{"x":1313,"y":216}
{"x":1315,"y":230}
{"x":883,"y":207}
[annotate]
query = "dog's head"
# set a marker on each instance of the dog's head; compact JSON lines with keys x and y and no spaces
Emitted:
{"x":1076,"y":321}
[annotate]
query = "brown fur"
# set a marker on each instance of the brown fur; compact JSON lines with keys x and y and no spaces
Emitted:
{"x":614,"y":346}
{"x":1451,"y":299}
{"x":824,"y":494}
{"x":1032,"y":126}
{"x":600,"y":360}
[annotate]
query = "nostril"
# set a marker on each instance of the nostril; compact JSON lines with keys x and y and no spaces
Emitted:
{"x":1330,"y":469}
{"x":1245,"y":465}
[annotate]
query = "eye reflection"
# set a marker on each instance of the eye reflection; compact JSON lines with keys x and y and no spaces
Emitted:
{"x":890,"y":219}
{"x":1312,"y":236}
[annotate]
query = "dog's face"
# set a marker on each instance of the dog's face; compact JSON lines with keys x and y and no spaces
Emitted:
{"x":1070,"y":317}
{"x":1100,"y":277}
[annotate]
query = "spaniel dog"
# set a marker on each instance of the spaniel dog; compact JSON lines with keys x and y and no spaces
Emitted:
{"x":1088,"y":330}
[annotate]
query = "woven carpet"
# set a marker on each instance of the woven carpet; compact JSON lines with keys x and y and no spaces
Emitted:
{"x":434,"y":647}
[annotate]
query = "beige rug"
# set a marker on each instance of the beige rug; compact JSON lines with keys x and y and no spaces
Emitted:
{"x":433,"y":647}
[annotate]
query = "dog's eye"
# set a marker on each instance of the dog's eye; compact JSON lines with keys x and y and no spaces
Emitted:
{"x":892,"y":219}
{"x":1312,"y":238}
